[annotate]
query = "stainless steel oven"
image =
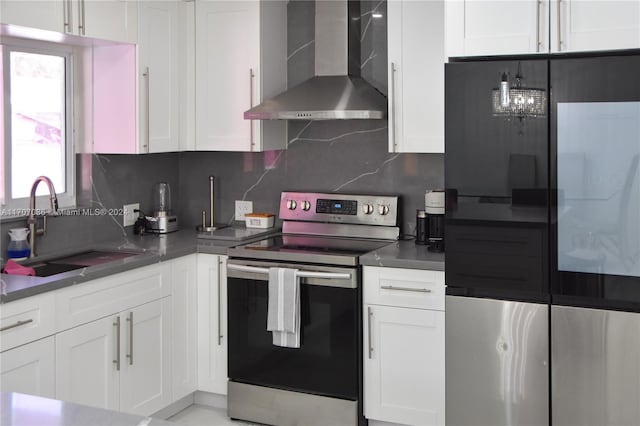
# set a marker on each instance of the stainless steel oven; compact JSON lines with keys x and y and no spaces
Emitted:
{"x":319,"y":383}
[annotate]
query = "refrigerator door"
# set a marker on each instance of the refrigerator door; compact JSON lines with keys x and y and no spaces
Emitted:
{"x":595,"y":367}
{"x":497,"y":362}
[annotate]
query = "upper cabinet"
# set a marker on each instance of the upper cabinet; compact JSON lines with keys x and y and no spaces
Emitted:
{"x":158,"y":79}
{"x":492,"y":27}
{"x":105,"y":19}
{"x":594,"y":25}
{"x":416,"y":76}
{"x":496,"y":27}
{"x":240,"y":59}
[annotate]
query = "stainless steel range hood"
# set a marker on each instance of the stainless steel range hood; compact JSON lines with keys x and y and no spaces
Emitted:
{"x":337,"y":91}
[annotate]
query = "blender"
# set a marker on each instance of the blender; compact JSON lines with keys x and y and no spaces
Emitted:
{"x":163,"y":220}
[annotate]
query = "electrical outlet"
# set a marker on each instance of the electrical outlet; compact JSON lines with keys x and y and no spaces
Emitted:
{"x":128,"y":215}
{"x":242,"y":208}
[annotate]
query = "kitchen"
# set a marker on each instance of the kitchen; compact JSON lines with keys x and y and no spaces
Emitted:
{"x":344,"y":156}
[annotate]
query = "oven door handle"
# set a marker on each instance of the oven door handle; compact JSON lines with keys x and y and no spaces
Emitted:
{"x":300,"y":274}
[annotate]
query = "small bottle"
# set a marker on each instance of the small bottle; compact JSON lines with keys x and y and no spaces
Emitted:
{"x":421,"y":227}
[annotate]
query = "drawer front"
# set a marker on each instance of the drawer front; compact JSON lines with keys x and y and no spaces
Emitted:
{"x":26,"y":320}
{"x":409,"y":288}
{"x":106,"y":296}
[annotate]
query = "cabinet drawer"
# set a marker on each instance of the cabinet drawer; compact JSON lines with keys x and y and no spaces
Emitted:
{"x":25,"y":320}
{"x":411,"y":288}
{"x":105,"y":296}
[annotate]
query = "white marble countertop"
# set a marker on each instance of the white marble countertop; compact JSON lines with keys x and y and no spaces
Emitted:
{"x":18,"y":409}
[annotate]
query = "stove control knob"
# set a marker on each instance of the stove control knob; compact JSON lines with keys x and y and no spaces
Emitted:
{"x":367,"y":209}
{"x":291,"y":204}
{"x":306,"y":205}
{"x":383,"y":209}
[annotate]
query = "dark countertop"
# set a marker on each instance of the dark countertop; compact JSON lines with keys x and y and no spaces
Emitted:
{"x":18,"y":409}
{"x":404,"y":254}
{"x":152,"y":249}
{"x":158,"y":248}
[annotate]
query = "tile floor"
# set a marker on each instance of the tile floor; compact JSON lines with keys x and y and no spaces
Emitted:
{"x":202,"y":415}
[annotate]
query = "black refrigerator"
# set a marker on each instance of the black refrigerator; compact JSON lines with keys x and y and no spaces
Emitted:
{"x":542,"y":235}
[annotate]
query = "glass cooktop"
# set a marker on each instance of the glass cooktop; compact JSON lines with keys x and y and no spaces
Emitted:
{"x":309,"y":249}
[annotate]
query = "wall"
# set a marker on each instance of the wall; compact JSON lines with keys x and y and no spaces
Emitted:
{"x":348,"y":156}
{"x":332,"y":156}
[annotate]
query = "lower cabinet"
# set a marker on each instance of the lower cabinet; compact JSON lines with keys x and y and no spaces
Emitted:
{"x":29,"y":368}
{"x":212,"y":323}
{"x":404,"y":355}
{"x":121,"y":362}
{"x":404,"y":369}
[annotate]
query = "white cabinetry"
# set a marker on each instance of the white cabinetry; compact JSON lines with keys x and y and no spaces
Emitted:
{"x":404,"y":358}
{"x":158,"y":68}
{"x":121,"y":362}
{"x":240,"y":60}
{"x":212,"y":323}
{"x":105,"y":19}
{"x":29,"y":369}
{"x":594,"y":25}
{"x":416,"y":76}
{"x":184,"y":331}
{"x":494,"y":27}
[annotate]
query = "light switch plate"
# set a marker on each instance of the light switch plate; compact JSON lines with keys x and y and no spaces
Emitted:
{"x":128,"y":215}
{"x":242,"y":208}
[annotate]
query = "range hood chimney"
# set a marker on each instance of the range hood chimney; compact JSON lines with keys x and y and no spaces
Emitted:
{"x":337,"y":91}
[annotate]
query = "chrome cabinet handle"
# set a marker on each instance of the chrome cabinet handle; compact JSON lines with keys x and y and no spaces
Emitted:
{"x":251,"y":76}
{"x":66,"y":8}
{"x":369,"y":315}
{"x":559,"y":23}
{"x":117,"y":360}
{"x":130,"y":354}
{"x":418,"y":290}
{"x":392,"y":91}
{"x":219,"y":304}
{"x":17,"y":324}
{"x":538,"y":43}
{"x":301,"y":274}
{"x":81,"y":25}
{"x":147,"y":85}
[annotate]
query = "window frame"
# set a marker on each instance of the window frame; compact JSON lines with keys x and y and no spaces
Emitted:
{"x":16,"y":207}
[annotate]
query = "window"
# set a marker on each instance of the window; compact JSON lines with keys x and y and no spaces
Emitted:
{"x":37,"y":93}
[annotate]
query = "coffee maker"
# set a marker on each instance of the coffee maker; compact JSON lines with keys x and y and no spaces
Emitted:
{"x":163,"y":220}
{"x":434,"y":202}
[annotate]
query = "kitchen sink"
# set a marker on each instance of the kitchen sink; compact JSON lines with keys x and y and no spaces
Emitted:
{"x":48,"y":267}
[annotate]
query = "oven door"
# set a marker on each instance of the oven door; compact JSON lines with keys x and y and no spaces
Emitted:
{"x":327,"y":362}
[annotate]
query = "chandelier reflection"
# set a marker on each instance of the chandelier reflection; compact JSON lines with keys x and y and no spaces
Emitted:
{"x":518,"y":101}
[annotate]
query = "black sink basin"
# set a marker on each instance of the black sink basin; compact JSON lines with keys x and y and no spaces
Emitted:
{"x":47,"y":269}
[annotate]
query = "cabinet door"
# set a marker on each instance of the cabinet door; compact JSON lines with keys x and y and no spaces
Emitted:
{"x":45,"y":15}
{"x":86,"y":364}
{"x":212,"y":323}
{"x":594,"y":25}
{"x":108,"y":19}
{"x":29,"y":369}
{"x":495,"y":27}
{"x":145,"y":380}
{"x":158,"y":73}
{"x":227,"y":63}
{"x":404,"y":379}
{"x":416,"y":76}
{"x":184,"y":326}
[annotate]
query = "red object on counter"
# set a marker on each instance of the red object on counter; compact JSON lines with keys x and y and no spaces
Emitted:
{"x":14,"y":268}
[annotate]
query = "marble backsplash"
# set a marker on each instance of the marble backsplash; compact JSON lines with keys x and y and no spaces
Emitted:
{"x":347,"y":156}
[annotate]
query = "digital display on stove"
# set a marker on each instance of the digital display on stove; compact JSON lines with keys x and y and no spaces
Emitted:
{"x":349,"y":207}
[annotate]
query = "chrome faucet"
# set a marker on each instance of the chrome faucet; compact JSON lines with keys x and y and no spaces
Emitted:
{"x":32,"y":210}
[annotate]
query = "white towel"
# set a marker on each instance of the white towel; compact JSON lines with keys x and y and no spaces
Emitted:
{"x":283,"y":309}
